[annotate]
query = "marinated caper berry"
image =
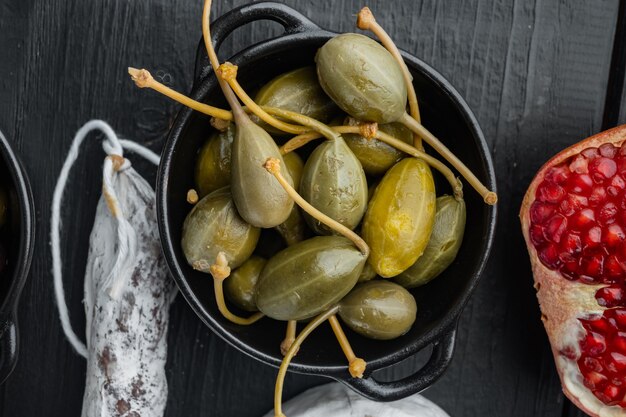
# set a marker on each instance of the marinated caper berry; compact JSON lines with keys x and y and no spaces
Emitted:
{"x":362,"y":77}
{"x":240,"y":286}
{"x":333,"y":182}
{"x":260,"y":200}
{"x":295,"y":166}
{"x":308,"y":277}
{"x":399,"y":217}
{"x":443,"y":246}
{"x":213,"y":164}
{"x":298,"y":91}
{"x":367,"y":274}
{"x":376,"y":156}
{"x":379,"y":310}
{"x":214,"y":226}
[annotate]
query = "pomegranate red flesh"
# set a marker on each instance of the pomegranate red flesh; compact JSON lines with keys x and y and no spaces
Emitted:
{"x":579,"y":223}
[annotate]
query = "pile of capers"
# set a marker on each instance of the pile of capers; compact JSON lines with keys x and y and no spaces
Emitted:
{"x":367,"y":222}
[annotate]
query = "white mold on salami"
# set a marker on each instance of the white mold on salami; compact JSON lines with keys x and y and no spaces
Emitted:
{"x":127,"y":336}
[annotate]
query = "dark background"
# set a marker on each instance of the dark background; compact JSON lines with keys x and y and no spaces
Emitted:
{"x":536,"y":74}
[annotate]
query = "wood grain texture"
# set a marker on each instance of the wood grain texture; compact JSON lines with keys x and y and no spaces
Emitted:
{"x":534,"y":73}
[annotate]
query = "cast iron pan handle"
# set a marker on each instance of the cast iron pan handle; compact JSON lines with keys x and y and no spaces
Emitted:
{"x":390,"y":391}
{"x":8,"y":347}
{"x":291,"y":20}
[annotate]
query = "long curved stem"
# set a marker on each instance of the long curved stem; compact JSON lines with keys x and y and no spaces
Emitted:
{"x":220,"y":271}
{"x":238,"y":113}
{"x":272,"y":165}
{"x":229,"y":74}
{"x":143,"y":79}
{"x":489,"y":196}
{"x":457,"y":187}
{"x":218,"y":287}
{"x":290,"y":336}
{"x":367,"y":21}
{"x":356,"y":366}
{"x":282,"y":371}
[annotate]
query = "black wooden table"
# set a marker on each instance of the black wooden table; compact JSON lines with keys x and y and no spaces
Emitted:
{"x":539,"y":75}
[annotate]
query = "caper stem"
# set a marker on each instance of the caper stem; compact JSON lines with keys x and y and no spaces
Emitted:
{"x":489,"y":196}
{"x":457,"y":187}
{"x":356,"y":365}
{"x":367,"y":21}
{"x":218,"y":286}
{"x":147,"y":81}
{"x":312,"y":124}
{"x":229,"y":74}
{"x":282,"y":371}
{"x":220,"y":271}
{"x":290,"y":336}
{"x":143,"y":79}
{"x":238,"y":113}
{"x":272,"y":165}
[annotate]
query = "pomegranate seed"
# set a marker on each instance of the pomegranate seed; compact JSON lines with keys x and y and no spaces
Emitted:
{"x":579,"y":165}
{"x":607,"y":213}
{"x":611,"y":297}
{"x":602,"y":169}
{"x":590,"y":153}
{"x":608,"y":150}
{"x":550,"y":192}
{"x":570,"y":247}
{"x":537,"y":234}
{"x":599,"y":324}
{"x":582,"y":220}
{"x":620,"y":317}
{"x":540,"y":212}
{"x":616,"y":362}
{"x":573,"y":203}
{"x":593,"y":364}
{"x":622,"y":149}
{"x":610,"y":395}
{"x":617,"y":185}
{"x":621,"y":163}
{"x":593,"y":344}
{"x":549,"y":256}
{"x":598,"y":196}
{"x":592,"y":238}
{"x":555,"y":228}
{"x":581,"y":184}
{"x":619,"y":342}
{"x":557,"y":174}
{"x":613,"y":235}
{"x":569,"y":270}
{"x":593,"y":266}
{"x":613,"y":269}
{"x":594,"y":380}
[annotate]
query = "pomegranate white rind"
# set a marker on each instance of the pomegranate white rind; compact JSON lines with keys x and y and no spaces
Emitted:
{"x":564,"y":302}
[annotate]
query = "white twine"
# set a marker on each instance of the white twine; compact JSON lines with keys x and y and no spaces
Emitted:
{"x":126,"y":239}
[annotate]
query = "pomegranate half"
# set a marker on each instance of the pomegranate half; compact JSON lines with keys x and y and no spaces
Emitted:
{"x":574,"y":222}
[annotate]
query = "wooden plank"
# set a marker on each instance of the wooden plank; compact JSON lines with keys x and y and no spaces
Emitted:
{"x":533,"y":72}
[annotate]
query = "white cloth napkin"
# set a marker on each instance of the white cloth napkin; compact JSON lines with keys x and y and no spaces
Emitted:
{"x":336,"y":400}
